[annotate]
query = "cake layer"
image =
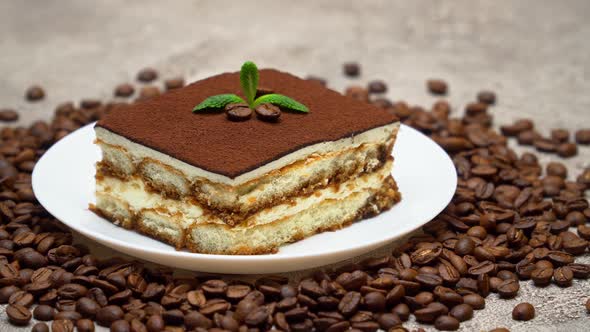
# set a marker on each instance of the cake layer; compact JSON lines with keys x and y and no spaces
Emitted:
{"x":211,"y":142}
{"x":328,"y":215}
{"x":296,"y":173}
{"x":130,"y":204}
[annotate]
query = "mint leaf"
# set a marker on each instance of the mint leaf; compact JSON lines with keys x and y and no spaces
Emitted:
{"x":218,"y":101}
{"x":281,"y":101}
{"x":249,"y":80}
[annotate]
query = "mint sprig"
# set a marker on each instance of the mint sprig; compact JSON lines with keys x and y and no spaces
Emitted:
{"x":281,"y":101}
{"x":218,"y":101}
{"x":249,"y":81}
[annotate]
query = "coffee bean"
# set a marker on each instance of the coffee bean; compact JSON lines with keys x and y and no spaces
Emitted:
{"x":18,"y":314}
{"x":6,"y":292}
{"x":563,"y":276}
{"x":349,"y":303}
{"x":268,"y":112}
{"x":437,"y":86}
{"x":44,"y":312}
{"x":357,"y":92}
{"x":582,"y":136}
{"x":588,"y":305}
{"x":487,"y":97}
{"x":120,"y":325}
{"x":446,"y":323}
{"x":124,"y":90}
{"x":351,"y":69}
{"x":155,"y":323}
{"x":85,"y":325}
{"x":174,"y":83}
{"x":427,"y":315}
{"x":147,"y":75}
{"x":8,"y":115}
{"x":68,"y":315}
{"x":238,"y":112}
{"x":40,"y":327}
{"x":107,"y":315}
{"x":62,"y":325}
{"x":377,"y":86}
{"x":508,"y":288}
{"x":567,"y":150}
{"x":35,"y":93}
{"x":148,"y":92}
{"x":542,"y":276}
{"x":476,"y":301}
{"x":21,"y":298}
{"x":527,"y":137}
{"x":523,"y":311}
{"x":462,"y":312}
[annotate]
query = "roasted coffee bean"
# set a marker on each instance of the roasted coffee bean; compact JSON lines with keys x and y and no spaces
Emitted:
{"x":523,"y":311}
{"x":427,"y":315}
{"x":120,"y":325}
{"x":68,"y":315}
{"x":462,"y":312}
{"x":238,"y":112}
{"x":35,"y":93}
{"x":107,"y":315}
{"x":357,"y":92}
{"x":41,"y":327}
{"x":475,"y":301}
{"x":147,"y":75}
{"x":437,"y":86}
{"x":6,"y":292}
{"x":349,"y":303}
{"x":173,"y":317}
{"x":580,"y":271}
{"x":582,"y":136}
{"x":563,"y":276}
{"x":268,"y":112}
{"x":375,"y":301}
{"x":388,"y":320}
{"x":464,"y":246}
{"x":542,"y":276}
{"x":62,"y":325}
{"x":44,"y":312}
{"x":446,"y":323}
{"x":377,"y":86}
{"x":508,"y":288}
{"x":588,"y":306}
{"x":174,"y":83}
{"x":124,"y":90}
{"x":72,"y":291}
{"x":351,"y":69}
{"x":21,"y":298}
{"x":87,"y":307}
{"x":148,"y":92}
{"x":18,"y":314}
{"x":155,"y":323}
{"x":487,"y":97}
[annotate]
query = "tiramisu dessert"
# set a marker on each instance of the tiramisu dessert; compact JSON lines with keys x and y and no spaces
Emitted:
{"x":242,"y":163}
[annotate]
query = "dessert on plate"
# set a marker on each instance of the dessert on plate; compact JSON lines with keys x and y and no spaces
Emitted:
{"x":263,"y":159}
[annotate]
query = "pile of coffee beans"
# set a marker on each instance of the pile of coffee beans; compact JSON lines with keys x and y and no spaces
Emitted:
{"x":510,"y":219}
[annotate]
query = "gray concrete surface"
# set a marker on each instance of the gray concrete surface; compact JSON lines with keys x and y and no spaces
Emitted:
{"x":534,"y":54}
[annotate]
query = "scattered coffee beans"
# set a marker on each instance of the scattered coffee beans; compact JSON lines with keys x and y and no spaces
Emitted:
{"x":486,"y":97}
{"x":268,"y":112}
{"x":509,"y":220}
{"x":377,"y":86}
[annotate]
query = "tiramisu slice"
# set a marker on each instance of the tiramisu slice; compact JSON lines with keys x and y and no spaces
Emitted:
{"x":204,"y":182}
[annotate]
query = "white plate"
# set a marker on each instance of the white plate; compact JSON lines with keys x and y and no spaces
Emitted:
{"x":63,"y":181}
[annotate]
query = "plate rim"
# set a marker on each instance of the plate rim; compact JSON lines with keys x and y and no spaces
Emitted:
{"x":129,"y":247}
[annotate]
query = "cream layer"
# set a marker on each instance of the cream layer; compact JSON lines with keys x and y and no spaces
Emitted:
{"x":134,"y":194}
